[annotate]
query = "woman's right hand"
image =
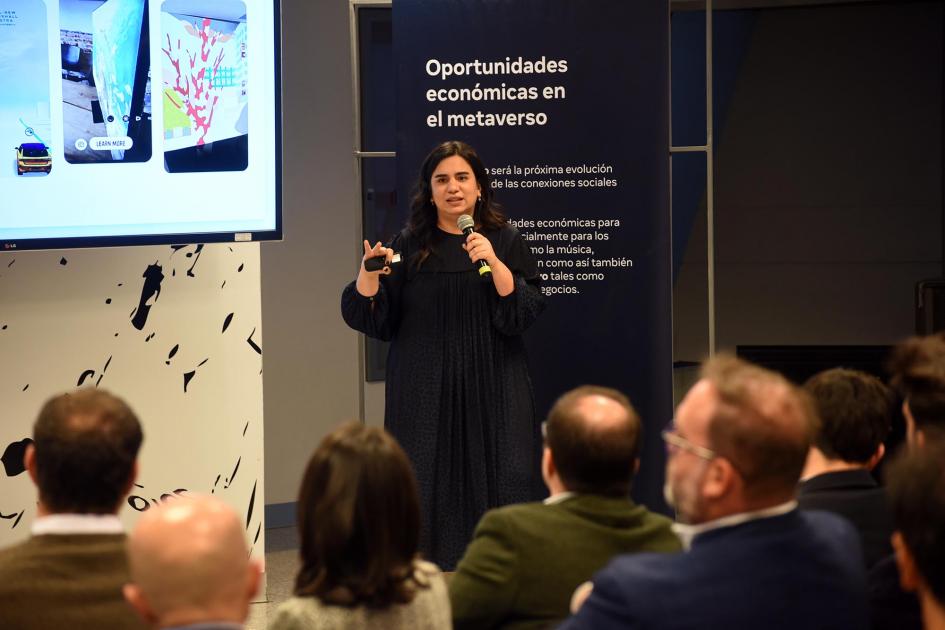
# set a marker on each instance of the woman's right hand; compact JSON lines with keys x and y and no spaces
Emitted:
{"x":369,"y":281}
{"x":374,"y":252}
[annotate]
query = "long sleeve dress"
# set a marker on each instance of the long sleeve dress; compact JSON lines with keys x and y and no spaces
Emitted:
{"x":458,"y":394}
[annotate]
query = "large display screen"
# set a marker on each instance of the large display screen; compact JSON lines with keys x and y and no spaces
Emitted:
{"x":139,"y":121}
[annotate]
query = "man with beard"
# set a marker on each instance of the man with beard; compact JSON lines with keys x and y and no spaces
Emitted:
{"x":753,"y":560}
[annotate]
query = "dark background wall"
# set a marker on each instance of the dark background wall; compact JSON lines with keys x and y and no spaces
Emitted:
{"x":828,"y":177}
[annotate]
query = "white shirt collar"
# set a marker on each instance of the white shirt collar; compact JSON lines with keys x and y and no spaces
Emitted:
{"x":558,"y":498}
{"x":77,"y":524}
{"x":687,"y":533}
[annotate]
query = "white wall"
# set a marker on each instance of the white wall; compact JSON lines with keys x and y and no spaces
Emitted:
{"x":70,"y":316}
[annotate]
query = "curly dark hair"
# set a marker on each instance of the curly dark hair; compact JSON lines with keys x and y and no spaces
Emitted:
{"x":358,"y":521}
{"x":422,"y":221}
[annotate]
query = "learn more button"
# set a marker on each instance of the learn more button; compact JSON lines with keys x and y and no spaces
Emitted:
{"x":111,"y":143}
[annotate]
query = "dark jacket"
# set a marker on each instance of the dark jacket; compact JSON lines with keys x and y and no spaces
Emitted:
{"x":854,"y":495}
{"x":797,"y":570}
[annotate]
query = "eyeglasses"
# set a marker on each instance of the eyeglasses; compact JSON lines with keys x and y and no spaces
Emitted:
{"x":675,"y":441}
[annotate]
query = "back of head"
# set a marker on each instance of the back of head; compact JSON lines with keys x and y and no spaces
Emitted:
{"x":189,"y":563}
{"x":594,"y":436}
{"x":85,"y":445}
{"x":916,"y":487}
{"x":854,"y":414}
{"x":761,"y":424}
{"x":358,"y":520}
{"x":917,"y":369}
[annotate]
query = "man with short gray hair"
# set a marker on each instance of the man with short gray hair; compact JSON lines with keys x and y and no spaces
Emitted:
{"x":753,"y":560}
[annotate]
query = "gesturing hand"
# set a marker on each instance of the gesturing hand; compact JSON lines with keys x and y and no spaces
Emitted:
{"x":373,"y":252}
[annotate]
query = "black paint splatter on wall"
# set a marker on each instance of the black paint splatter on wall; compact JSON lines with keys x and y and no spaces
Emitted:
{"x":11,"y":516}
{"x":190,"y":375}
{"x":153,"y":277}
{"x":229,"y":480}
{"x":252,"y":343}
{"x":252,"y":503}
{"x":170,"y":355}
{"x":226,"y":322}
{"x":197,"y":252}
{"x":12,"y":457}
{"x":90,"y":373}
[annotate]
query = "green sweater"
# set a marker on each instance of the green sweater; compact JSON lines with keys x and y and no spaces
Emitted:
{"x":66,"y":581}
{"x":525,"y":561}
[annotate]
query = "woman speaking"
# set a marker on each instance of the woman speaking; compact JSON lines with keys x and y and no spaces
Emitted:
{"x":458,"y":395}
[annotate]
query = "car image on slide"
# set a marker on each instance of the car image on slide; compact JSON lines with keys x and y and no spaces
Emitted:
{"x":33,"y":157}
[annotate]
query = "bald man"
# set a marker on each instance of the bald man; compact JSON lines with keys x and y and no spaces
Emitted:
{"x":525,"y":561}
{"x":736,"y":450}
{"x":190,"y":566}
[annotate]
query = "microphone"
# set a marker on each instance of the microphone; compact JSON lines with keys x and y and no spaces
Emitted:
{"x":466,"y":224}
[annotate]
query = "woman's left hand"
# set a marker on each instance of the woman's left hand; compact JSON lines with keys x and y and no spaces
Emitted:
{"x":479,"y":248}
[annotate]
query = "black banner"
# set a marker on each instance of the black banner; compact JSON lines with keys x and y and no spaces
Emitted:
{"x":567,"y":104}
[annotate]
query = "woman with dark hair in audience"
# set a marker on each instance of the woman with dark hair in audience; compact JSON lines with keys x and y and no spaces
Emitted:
{"x":359,"y":523}
{"x":458,"y":393}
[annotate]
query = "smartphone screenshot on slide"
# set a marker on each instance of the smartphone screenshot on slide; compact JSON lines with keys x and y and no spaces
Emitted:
{"x":106,"y":86}
{"x":204,"y":83}
{"x":24,"y":91}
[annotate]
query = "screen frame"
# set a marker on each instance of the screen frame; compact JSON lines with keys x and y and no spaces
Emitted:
{"x":188,"y":238}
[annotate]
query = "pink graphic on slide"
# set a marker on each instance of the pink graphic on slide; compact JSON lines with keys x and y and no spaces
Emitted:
{"x":193,"y":92}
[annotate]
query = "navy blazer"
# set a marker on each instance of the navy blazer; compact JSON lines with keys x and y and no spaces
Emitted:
{"x":797,"y":570}
{"x":854,"y":495}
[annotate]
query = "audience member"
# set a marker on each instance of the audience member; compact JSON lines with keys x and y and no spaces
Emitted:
{"x":854,"y":415}
{"x":190,"y":566}
{"x":70,"y":572}
{"x":917,"y":490}
{"x":359,"y":525}
{"x":525,"y":561}
{"x":917,"y":370}
{"x":917,"y":366}
{"x":737,"y":447}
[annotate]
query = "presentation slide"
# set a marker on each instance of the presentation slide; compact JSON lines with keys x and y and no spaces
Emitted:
{"x":123,"y":118}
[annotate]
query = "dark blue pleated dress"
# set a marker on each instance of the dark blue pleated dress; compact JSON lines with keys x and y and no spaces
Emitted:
{"x":458,"y":394}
